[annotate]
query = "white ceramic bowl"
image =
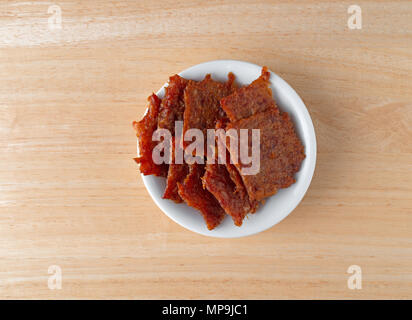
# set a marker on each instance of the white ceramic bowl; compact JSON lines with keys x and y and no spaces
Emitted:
{"x":276,"y":207}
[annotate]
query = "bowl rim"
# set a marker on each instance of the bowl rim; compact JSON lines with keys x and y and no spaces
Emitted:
{"x":311,"y":142}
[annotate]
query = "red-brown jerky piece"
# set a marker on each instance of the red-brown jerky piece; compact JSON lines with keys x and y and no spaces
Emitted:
{"x":192,"y":192}
{"x":177,"y":173}
{"x":144,"y":131}
{"x":233,"y":200}
{"x":240,"y":187}
{"x":172,"y":106}
{"x":171,"y":110}
{"x":281,"y":153}
{"x":202,"y":103}
{"x":249,"y":100}
{"x":233,"y":172}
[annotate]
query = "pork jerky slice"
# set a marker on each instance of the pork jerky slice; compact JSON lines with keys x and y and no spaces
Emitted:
{"x":240,"y":186}
{"x":202,"y":103}
{"x":172,"y":106}
{"x":144,"y":131}
{"x":281,"y":153}
{"x":249,"y":100}
{"x":232,"y":170}
{"x":171,"y":110}
{"x":192,"y":192}
{"x":177,"y":173}
{"x":234,"y":201}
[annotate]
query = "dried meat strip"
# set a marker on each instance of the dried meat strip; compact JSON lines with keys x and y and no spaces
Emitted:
{"x":192,"y":192}
{"x":232,"y":170}
{"x":171,"y":110}
{"x":202,"y":103}
{"x":281,"y":153}
{"x":240,"y":187}
{"x":233,"y":200}
{"x":177,"y":173}
{"x":172,"y":106}
{"x":249,"y":100}
{"x":144,"y":131}
{"x":240,"y":190}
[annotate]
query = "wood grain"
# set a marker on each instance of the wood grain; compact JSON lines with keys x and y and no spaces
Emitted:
{"x":71,"y":195}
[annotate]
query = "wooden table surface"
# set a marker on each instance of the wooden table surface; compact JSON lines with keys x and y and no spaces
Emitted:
{"x":71,"y":195}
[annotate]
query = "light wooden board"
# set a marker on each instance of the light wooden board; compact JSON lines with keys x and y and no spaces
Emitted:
{"x":71,"y":194}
